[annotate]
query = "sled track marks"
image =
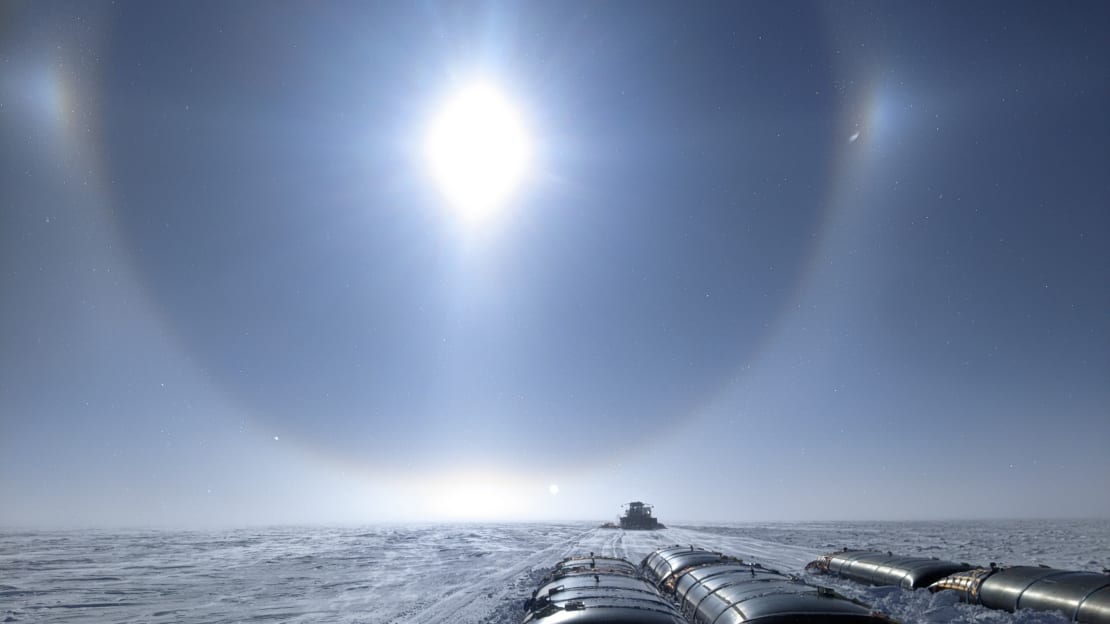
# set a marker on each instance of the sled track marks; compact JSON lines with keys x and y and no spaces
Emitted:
{"x":495,"y":597}
{"x":495,"y":594}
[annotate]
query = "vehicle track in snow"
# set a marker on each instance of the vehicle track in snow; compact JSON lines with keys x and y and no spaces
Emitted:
{"x":495,"y":591}
{"x":602,"y":542}
{"x":462,"y":573}
{"x":497,"y":596}
{"x":784,"y":557}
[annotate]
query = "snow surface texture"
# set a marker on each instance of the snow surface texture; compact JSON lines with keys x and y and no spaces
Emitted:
{"x":462,"y":574}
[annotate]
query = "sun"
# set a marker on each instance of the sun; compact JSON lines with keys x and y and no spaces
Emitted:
{"x":478,"y":150}
{"x":553,"y":488}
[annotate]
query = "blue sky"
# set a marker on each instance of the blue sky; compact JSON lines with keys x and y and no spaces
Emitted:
{"x":768,"y":263}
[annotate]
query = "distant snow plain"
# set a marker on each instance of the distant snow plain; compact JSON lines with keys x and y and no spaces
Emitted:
{"x":466,"y":573}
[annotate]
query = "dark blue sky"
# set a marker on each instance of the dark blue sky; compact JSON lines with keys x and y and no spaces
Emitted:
{"x":773,"y":261}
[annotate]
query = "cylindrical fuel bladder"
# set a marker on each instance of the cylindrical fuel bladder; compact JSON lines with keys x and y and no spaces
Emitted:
{"x":883,"y":568}
{"x":1081,"y":596}
{"x":715,"y":589}
{"x":596,"y":590}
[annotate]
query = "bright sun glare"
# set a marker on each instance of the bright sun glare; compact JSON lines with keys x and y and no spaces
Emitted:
{"x":478,"y":149}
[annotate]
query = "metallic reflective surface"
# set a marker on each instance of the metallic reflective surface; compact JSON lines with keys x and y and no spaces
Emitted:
{"x":883,"y":568}
{"x":712,"y":588}
{"x":613,"y":564}
{"x":1081,"y":596}
{"x":592,"y":590}
{"x":662,"y":565}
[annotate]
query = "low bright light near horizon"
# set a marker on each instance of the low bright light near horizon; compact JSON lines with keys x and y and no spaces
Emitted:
{"x":479,"y":150}
{"x":553,"y":488}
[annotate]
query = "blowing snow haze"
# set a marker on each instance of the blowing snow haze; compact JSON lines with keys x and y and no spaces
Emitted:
{"x":337,"y":262}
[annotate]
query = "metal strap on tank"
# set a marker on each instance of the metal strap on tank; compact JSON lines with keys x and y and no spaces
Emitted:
{"x":658,"y":605}
{"x":913,"y":564}
{"x":907,"y":570}
{"x":1079,"y":605}
{"x":877,"y":572}
{"x":751,"y":567}
{"x":561,"y":573}
{"x":653,"y":599}
{"x":924,"y":563}
{"x":575,"y":605}
{"x":670,"y":572}
{"x":697,"y":582}
{"x":649,"y":563}
{"x":1017,"y":603}
{"x":851,"y":566}
{"x":675,"y":573}
{"x":670,"y":567}
{"x":727,"y":585}
{"x":724,"y":560}
{"x":845,"y":560}
{"x":736,"y":606}
{"x":737,"y":564}
{"x":561,"y":589}
{"x":854,"y":559}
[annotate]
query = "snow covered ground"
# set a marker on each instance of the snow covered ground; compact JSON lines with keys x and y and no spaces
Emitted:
{"x":462,"y":573}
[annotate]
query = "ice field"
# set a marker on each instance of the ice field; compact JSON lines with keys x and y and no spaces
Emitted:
{"x":428,"y":574}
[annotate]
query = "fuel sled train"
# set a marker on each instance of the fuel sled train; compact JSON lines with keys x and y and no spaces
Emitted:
{"x":688,"y":585}
{"x":685,"y":585}
{"x":1082,"y":596}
